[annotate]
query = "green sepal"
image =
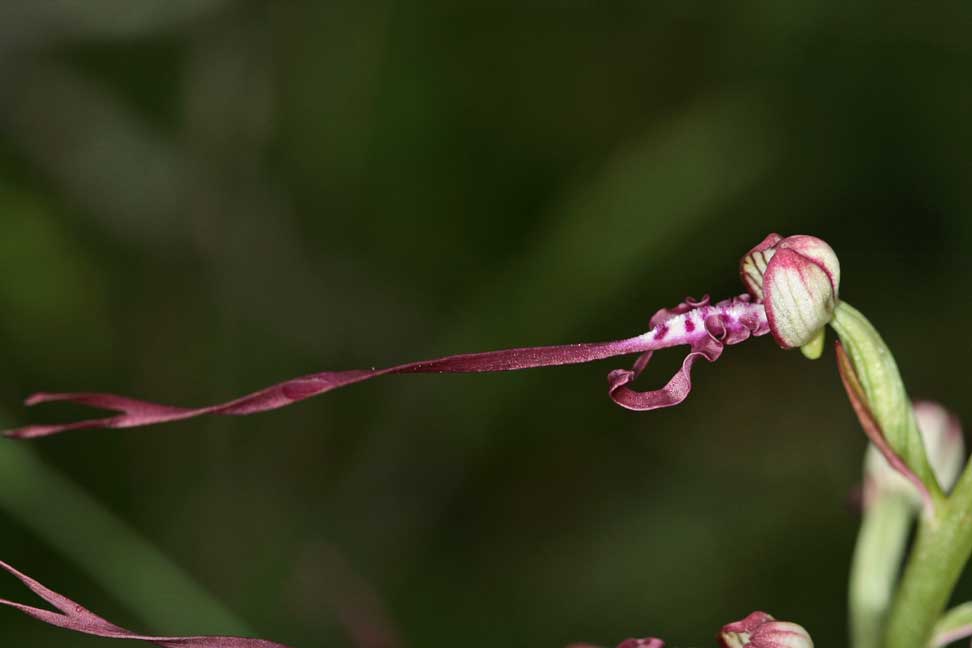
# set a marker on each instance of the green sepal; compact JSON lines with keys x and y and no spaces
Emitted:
{"x":887,"y":398}
{"x":814,"y":348}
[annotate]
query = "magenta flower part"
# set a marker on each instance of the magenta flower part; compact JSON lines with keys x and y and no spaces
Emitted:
{"x":760,"y":630}
{"x":705,"y":328}
{"x":72,"y":616}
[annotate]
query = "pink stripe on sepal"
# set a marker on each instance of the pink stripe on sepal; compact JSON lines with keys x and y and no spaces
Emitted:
{"x":77,"y":618}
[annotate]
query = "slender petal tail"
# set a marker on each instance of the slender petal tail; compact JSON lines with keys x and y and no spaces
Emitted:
{"x":706,"y":328}
{"x":72,"y":616}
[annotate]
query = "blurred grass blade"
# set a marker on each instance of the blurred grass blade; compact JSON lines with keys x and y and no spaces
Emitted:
{"x":656,"y":194}
{"x":40,"y":24}
{"x":115,"y":556}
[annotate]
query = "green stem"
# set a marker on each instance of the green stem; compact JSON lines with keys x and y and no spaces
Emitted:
{"x":942,"y":549}
{"x":124,"y":563}
{"x":880,"y":547}
{"x":944,"y":540}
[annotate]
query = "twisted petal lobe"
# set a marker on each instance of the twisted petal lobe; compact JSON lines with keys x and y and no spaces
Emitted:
{"x":72,"y":616}
{"x":706,"y":328}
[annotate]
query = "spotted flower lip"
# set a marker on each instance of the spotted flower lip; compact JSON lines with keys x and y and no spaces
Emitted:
{"x":704,"y":327}
{"x":72,"y":616}
{"x":797,"y":278}
{"x":760,"y":630}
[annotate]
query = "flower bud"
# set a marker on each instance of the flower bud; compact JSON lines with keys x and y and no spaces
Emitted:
{"x":797,"y":279}
{"x":760,"y":630}
{"x":941,"y":435}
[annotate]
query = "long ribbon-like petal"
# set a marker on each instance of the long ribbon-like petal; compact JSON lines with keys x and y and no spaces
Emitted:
{"x":704,"y":327}
{"x":73,"y":616}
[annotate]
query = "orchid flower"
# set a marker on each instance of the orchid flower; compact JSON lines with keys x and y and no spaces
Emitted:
{"x":760,"y":630}
{"x":792,"y":285}
{"x":72,"y":616}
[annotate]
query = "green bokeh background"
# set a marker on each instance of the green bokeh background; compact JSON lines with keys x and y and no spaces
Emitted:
{"x":200,"y":197}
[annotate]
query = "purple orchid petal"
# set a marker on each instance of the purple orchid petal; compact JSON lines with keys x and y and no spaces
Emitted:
{"x":73,"y":616}
{"x":704,"y":327}
{"x":855,"y":392}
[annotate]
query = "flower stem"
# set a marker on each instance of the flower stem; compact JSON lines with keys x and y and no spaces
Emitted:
{"x":881,"y":544}
{"x":940,"y":552}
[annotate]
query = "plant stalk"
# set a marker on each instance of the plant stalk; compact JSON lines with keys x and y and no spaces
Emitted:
{"x":940,"y":552}
{"x":881,"y":544}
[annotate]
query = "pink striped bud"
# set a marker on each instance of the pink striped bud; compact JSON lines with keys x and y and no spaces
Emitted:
{"x":797,"y":279}
{"x":760,"y":630}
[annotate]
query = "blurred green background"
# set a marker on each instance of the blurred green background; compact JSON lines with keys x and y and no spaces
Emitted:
{"x":201,"y":197}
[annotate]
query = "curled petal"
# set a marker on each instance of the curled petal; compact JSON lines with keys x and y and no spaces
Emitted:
{"x":673,"y":393}
{"x":72,"y":616}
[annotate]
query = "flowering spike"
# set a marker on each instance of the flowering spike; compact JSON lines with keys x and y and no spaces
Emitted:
{"x":706,"y":328}
{"x":72,"y":616}
{"x":760,"y":630}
